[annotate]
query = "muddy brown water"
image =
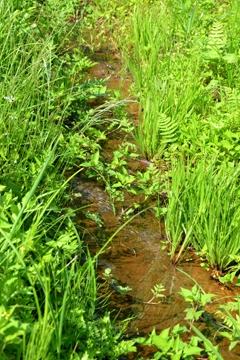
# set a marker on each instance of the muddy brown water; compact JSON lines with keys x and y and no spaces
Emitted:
{"x":135,"y":255}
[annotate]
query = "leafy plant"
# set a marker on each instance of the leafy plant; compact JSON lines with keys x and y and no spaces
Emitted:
{"x":198,"y":300}
{"x":109,"y":277}
{"x":47,"y":276}
{"x":118,"y":178}
{"x":157,"y":293}
{"x":231,"y":321}
{"x":212,"y":350}
{"x":171,"y":344}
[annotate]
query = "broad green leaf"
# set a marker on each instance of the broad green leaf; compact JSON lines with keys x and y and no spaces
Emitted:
{"x":95,"y":158}
{"x":165,"y":333}
{"x":193,"y":350}
{"x":233,"y":344}
{"x":226,"y":144}
{"x":176,"y":356}
{"x":162,"y":343}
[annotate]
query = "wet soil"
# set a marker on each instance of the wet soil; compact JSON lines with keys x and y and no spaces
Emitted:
{"x":135,"y":255}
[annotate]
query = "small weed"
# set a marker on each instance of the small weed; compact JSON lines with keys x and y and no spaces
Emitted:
{"x":157,"y":293}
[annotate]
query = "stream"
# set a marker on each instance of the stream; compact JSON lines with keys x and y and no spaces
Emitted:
{"x":135,"y":255}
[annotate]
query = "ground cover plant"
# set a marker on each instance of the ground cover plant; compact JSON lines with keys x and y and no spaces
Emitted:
{"x":48,"y":300}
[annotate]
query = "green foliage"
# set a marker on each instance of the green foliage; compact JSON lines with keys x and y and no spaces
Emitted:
{"x":198,"y":300}
{"x":213,"y":353}
{"x":182,"y":58}
{"x":230,"y":313}
{"x":171,"y":344}
{"x":155,"y":64}
{"x":43,"y":87}
{"x":204,"y":211}
{"x":45,"y":291}
{"x":184,"y":61}
{"x":174,"y":344}
{"x":42,"y":281}
{"x":112,"y":18}
{"x":48,"y":296}
{"x":157,"y":293}
{"x":109,"y":277}
{"x":118,"y":179}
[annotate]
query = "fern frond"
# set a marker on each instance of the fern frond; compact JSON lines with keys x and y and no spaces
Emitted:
{"x":231,"y":98}
{"x":231,"y":306}
{"x":216,"y":41}
{"x":167,"y":129}
{"x":217,"y":38}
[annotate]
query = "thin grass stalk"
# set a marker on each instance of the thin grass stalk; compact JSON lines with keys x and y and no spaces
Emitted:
{"x":207,"y":342}
{"x":63,"y":308}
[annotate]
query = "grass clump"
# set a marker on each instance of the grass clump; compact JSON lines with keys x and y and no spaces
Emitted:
{"x":184,"y":64}
{"x":203,"y":211}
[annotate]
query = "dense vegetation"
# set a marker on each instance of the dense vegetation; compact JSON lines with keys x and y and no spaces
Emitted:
{"x":184,"y":60}
{"x":48,"y":284}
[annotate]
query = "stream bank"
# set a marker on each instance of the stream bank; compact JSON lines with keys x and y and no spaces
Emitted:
{"x":135,"y":256}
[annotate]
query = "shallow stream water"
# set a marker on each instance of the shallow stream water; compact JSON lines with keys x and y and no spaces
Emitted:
{"x":135,"y":255}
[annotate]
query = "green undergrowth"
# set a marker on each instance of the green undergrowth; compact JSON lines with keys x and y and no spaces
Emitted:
{"x":186,"y":341}
{"x":183,"y":57}
{"x":49,"y":308}
{"x":113,"y":19}
{"x":184,"y":61}
{"x":203,"y":209}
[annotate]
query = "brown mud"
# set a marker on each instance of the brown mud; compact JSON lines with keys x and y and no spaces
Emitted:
{"x":135,"y":255}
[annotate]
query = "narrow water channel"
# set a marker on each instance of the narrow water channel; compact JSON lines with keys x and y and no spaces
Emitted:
{"x":135,"y":255}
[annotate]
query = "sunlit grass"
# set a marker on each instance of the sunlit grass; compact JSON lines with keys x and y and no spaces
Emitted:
{"x":204,"y":211}
{"x":48,"y":286}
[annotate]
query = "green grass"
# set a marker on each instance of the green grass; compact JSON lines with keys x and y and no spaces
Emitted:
{"x":184,"y":61}
{"x":48,"y":289}
{"x":203,"y":211}
{"x":165,"y":82}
